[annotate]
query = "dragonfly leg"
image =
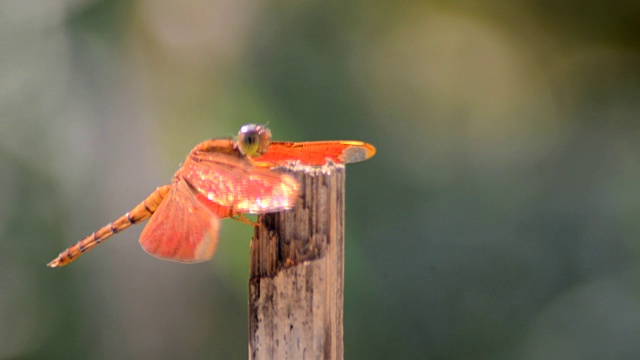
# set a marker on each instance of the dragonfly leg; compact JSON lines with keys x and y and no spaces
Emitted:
{"x":241,"y":218}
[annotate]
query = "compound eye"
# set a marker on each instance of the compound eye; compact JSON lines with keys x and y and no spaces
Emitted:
{"x":253,"y":140}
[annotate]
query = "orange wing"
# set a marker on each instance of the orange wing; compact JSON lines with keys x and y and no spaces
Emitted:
{"x":181,"y":229}
{"x":316,"y":153}
{"x":234,"y":182}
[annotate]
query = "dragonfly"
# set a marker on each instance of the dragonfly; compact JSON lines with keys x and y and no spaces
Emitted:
{"x":220,"y":178}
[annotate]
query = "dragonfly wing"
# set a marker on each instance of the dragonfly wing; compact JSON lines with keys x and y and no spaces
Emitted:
{"x":236,"y":183}
{"x":181,"y":229}
{"x":316,"y":153}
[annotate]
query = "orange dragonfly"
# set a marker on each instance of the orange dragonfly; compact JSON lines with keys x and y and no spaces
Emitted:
{"x":220,"y":178}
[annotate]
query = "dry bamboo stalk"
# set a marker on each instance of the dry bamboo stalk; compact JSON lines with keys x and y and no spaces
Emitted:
{"x":297,"y":272}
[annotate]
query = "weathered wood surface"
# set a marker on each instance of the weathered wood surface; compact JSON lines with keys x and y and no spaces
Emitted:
{"x":297,"y":273}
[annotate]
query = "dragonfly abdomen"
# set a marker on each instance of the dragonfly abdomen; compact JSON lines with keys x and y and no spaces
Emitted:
{"x":139,"y":213}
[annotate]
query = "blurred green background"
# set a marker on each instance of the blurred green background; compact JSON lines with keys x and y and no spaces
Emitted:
{"x":499,"y":219}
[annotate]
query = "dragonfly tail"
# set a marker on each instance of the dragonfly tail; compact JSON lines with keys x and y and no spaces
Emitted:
{"x":139,"y":213}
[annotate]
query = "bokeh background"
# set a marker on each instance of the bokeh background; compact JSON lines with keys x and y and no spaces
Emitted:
{"x":500,"y":218}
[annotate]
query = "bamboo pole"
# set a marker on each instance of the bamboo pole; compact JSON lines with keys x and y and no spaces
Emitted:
{"x":297,"y":272}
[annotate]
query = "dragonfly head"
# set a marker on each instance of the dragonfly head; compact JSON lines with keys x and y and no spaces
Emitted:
{"x":253,"y":140}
